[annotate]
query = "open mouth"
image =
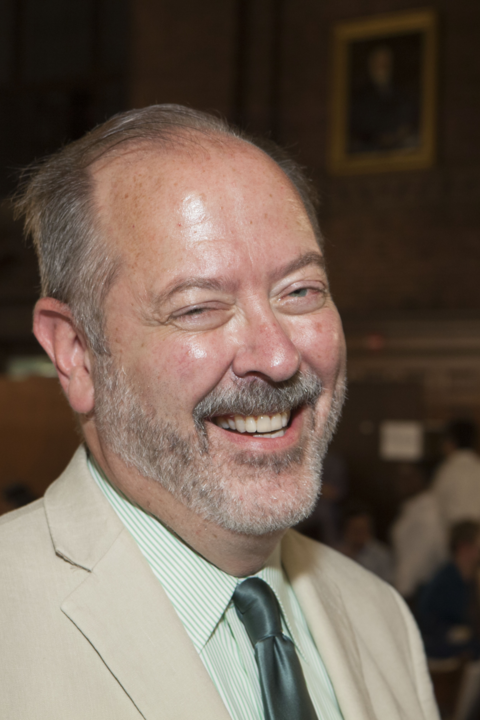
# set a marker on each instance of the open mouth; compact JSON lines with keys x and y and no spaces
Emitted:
{"x":270,"y":426}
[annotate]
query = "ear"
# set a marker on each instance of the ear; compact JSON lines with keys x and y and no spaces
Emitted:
{"x":66,"y":347}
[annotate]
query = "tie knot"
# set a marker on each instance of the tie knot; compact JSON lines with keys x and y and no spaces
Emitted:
{"x":258,"y":609}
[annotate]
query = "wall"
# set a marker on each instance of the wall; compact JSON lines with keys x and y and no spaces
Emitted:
{"x":37,"y":434}
{"x":403,"y":241}
{"x":62,"y":70}
{"x":183,"y":52}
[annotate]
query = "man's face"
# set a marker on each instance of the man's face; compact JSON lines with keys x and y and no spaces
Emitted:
{"x":226,"y":347}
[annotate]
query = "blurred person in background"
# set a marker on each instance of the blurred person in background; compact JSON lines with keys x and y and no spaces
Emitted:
{"x":457,"y":481}
{"x":324,"y":522}
{"x":448,"y":608}
{"x":417,"y":534}
{"x":360,"y":544}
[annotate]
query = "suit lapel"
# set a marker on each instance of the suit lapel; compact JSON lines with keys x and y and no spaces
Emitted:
{"x":121,"y":608}
{"x":331,"y":629}
{"x":124,"y":613}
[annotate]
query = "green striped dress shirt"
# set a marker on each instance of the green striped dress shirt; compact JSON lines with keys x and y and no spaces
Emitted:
{"x":202,"y":597}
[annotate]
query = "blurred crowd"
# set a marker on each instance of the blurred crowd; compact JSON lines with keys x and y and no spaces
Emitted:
{"x":433,"y":554}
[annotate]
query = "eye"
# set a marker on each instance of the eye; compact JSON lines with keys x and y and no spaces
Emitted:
{"x":201,"y":317}
{"x":301,"y":292}
{"x":304,"y":299}
{"x":195,"y":311}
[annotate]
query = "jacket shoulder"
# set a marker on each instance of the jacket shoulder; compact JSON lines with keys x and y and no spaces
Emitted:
{"x":328,"y":563}
{"x":17,"y":515}
{"x":22,"y":529}
{"x":368,"y":599}
{"x":375,"y":619}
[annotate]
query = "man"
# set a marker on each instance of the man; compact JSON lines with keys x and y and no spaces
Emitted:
{"x":323,"y":524}
{"x":384,"y":115}
{"x":360,"y":544}
{"x":448,"y":607}
{"x":417,"y":534}
{"x":186,"y":308}
{"x":457,"y":482}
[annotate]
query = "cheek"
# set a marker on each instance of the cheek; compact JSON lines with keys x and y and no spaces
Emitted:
{"x":188,"y":366}
{"x":197,"y":356}
{"x":322,"y":345}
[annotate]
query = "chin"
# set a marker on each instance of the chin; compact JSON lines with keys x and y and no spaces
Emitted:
{"x":259,"y":501}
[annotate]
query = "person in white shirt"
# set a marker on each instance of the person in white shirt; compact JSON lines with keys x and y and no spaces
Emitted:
{"x":417,"y":534}
{"x":456,"y":484}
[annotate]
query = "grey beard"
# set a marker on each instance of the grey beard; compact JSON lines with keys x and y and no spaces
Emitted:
{"x":183,"y":464}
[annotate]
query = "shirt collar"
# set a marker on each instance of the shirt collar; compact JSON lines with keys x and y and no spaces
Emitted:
{"x":201,"y":593}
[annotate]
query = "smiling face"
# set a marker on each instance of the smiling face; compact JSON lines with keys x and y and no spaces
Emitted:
{"x":226,"y":347}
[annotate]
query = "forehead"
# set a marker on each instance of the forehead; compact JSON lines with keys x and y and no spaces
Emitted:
{"x":177,"y":204}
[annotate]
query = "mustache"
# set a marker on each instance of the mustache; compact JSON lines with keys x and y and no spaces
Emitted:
{"x":259,"y":397}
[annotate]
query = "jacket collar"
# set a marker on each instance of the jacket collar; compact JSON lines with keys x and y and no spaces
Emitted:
{"x":82,"y":524}
{"x":329,"y":624}
{"x":121,"y":608}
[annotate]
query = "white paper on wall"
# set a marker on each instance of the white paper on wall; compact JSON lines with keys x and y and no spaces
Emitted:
{"x":401,"y":440}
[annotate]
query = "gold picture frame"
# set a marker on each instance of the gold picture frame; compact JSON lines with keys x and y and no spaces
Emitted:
{"x":383,"y":103}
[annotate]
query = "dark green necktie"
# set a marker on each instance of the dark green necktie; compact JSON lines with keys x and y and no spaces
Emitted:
{"x":284,"y":692}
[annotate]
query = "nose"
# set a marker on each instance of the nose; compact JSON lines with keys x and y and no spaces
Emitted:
{"x":267,"y":350}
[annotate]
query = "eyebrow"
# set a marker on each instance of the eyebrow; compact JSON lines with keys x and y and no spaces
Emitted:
{"x":309,"y":258}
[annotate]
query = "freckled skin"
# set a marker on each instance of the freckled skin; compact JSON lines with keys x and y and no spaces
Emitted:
{"x":235,"y":238}
{"x":227,"y":214}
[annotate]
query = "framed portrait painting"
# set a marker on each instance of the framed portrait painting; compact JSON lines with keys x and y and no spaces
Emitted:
{"x":384,"y":93}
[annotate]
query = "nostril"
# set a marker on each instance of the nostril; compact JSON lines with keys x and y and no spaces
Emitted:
{"x":271,"y":361}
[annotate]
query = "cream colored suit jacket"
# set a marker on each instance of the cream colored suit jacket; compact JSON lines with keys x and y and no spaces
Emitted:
{"x":87,"y":632}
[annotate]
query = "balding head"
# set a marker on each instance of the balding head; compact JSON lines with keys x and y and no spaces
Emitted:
{"x":58,"y":202}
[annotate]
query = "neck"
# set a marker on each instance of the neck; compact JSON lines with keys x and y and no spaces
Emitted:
{"x":234,"y":553}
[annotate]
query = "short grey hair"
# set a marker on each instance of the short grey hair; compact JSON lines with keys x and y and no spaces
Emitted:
{"x":56,"y":201}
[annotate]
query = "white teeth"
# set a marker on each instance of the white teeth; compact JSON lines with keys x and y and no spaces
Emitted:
{"x":263,"y":425}
{"x":240,"y":423}
{"x":276,"y":421}
{"x":250,"y":424}
{"x":280,"y":433}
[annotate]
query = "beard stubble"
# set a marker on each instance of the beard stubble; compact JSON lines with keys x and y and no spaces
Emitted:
{"x":246,"y":493}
